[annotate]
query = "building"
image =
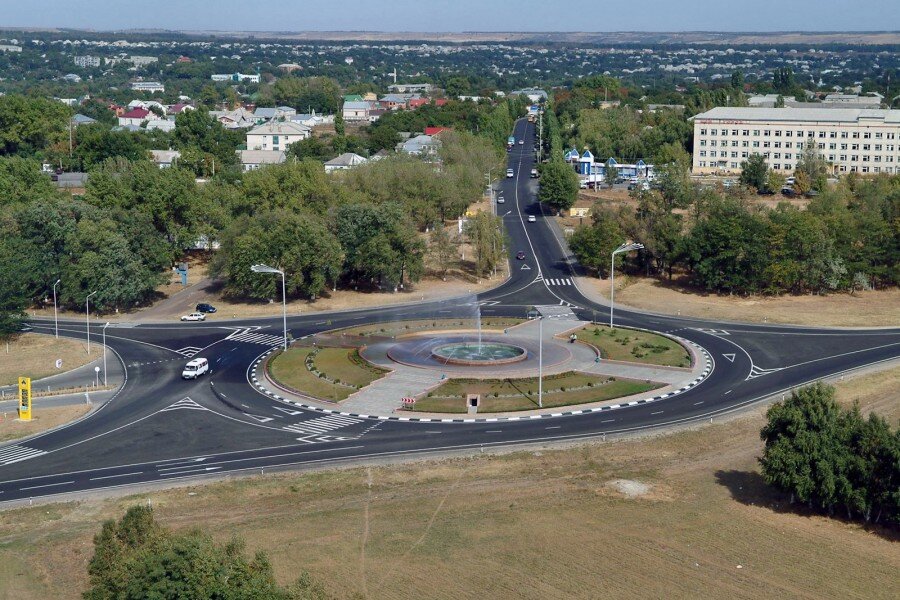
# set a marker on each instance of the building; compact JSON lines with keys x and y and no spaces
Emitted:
{"x":72,"y":78}
{"x":593,"y":171}
{"x":135,"y":117}
{"x":270,"y":113}
{"x":420,"y":145}
{"x":345,"y":161}
{"x":87,"y":61}
{"x":276,"y":135}
{"x":535,"y":95}
{"x":240,"y":118}
{"x":851,"y":140}
{"x":142,"y":61}
{"x":80,"y":119}
{"x":160,"y":124}
{"x":356,"y":110}
{"x":254,"y":159}
{"x":164,"y":158}
{"x":10,"y":48}
{"x":854,"y":100}
{"x":411,"y":88}
{"x":152,"y":87}
{"x":236,"y":78}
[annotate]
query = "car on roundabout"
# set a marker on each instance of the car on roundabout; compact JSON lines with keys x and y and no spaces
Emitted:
{"x":194,"y":316}
{"x":520,"y":255}
{"x":532,"y":219}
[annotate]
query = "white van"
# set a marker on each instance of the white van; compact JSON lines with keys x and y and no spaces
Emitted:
{"x":195,"y":368}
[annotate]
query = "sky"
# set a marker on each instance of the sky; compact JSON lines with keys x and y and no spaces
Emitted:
{"x":457,"y":15}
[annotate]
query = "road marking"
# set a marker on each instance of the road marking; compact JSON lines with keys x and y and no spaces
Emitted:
{"x":730,"y":357}
{"x":37,"y":487}
{"x":204,"y":470}
{"x":119,"y":475}
{"x":525,"y":268}
{"x":659,"y":412}
{"x":698,"y":403}
{"x":726,"y":393}
{"x":554,"y":427}
{"x":15,"y":453}
{"x":494,"y":431}
{"x":608,"y":421}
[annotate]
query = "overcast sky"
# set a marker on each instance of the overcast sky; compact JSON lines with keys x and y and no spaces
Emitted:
{"x":458,"y":15}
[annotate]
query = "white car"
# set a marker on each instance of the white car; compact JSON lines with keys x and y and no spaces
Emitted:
{"x":195,"y":368}
{"x":194,"y":316}
{"x":532,"y":219}
{"x":510,"y":174}
{"x":521,"y":142}
{"x":500,"y":200}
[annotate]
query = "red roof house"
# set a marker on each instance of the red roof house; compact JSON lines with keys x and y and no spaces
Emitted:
{"x":436,"y":130}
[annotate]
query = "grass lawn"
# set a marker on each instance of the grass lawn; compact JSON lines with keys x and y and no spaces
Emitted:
{"x":521,"y":394}
{"x":42,"y":419}
{"x":635,"y":346}
{"x":338,"y":364}
{"x":33,"y":355}
{"x":395,"y":328}
{"x":668,"y":516}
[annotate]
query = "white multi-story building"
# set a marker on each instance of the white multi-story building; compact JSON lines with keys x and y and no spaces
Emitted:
{"x":235,"y":77}
{"x":148,"y":86}
{"x":276,"y":135}
{"x":87,"y":61}
{"x":850,"y":140}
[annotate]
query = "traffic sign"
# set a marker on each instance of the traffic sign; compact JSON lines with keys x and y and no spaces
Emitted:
{"x":25,"y":398}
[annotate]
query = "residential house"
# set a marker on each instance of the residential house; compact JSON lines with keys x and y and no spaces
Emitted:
{"x":135,"y":117}
{"x":276,"y":135}
{"x":407,"y":88}
{"x":254,"y":159}
{"x":420,"y":145}
{"x":276,"y":113}
{"x":375,"y":114}
{"x":436,"y":130}
{"x":347,"y":160}
{"x":180,"y":107}
{"x":149,"y":105}
{"x":236,"y":77}
{"x":160,"y":124}
{"x":165,"y":158}
{"x":152,"y":87}
{"x":394,"y":101}
{"x":354,"y":98}
{"x":240,"y":118}
{"x":81,"y":119}
{"x":417,"y":102}
{"x":356,"y":110}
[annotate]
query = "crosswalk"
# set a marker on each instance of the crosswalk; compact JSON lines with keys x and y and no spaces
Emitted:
{"x":316,"y":430}
{"x":183,"y":404}
{"x":559,"y":282}
{"x":17,"y":452}
{"x":252,"y":337}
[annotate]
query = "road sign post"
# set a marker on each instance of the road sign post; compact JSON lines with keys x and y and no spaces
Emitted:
{"x":25,"y":398}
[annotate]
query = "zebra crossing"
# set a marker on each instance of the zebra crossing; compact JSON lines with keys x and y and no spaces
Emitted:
{"x":183,"y":404}
{"x":16,"y":452}
{"x":252,"y":337}
{"x":316,"y":430}
{"x":558,"y":281}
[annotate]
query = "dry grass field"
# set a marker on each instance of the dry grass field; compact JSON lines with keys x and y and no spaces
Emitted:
{"x":42,"y":419}
{"x":34,"y":356}
{"x":676,"y":516}
{"x":862,"y":309}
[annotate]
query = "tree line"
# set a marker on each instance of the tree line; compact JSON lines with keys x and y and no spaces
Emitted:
{"x":846,"y":239}
{"x":832,"y":459}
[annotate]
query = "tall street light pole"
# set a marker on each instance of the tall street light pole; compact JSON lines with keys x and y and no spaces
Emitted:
{"x":55,"y":315}
{"x":268,"y":269}
{"x":104,"y":353}
{"x":626,"y":247}
{"x":87,"y":318}
{"x":541,"y":362}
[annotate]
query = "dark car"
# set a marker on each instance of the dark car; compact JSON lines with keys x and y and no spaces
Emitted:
{"x":520,"y":255}
{"x":205,"y":308}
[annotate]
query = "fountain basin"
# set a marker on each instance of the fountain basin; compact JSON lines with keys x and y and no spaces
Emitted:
{"x":478,"y":354}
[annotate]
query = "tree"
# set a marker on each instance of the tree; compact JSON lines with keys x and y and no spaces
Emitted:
{"x":611,"y":172}
{"x":485,"y":233}
{"x":30,"y":124}
{"x":755,"y":172}
{"x":558,"y":184}
{"x":137,"y":558}
{"x":339,"y":128}
{"x":13,"y":292}
{"x":737,"y":80}
{"x":593,"y":245}
{"x":812,"y":168}
{"x":441,"y":248}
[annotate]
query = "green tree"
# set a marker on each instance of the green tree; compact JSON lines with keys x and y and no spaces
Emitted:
{"x":485,"y":233}
{"x":30,"y":124}
{"x":558,"y":184}
{"x":137,"y":558}
{"x":812,"y":168}
{"x":755,"y":172}
{"x":441,"y":248}
{"x":593,"y":245}
{"x":13,"y":293}
{"x":610,"y":174}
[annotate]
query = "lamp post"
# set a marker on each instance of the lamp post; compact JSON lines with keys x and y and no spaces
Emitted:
{"x":104,"y":353}
{"x":55,"y":314}
{"x":491,"y":191}
{"x":626,"y":247}
{"x":541,"y":362}
{"x":87,"y":318}
{"x":268,"y":269}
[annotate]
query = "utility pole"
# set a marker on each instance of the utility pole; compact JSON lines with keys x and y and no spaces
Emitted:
{"x":540,"y":135}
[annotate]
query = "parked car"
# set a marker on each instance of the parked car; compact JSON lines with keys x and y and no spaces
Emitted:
{"x":203,"y":307}
{"x":787,"y":190}
{"x":510,"y":174}
{"x":583,"y":184}
{"x":520,"y":255}
{"x":534,"y":173}
{"x":532,"y":218}
{"x":194,"y":316}
{"x":195,"y":368}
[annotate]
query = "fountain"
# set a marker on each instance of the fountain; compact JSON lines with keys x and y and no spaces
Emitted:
{"x":481,"y":354}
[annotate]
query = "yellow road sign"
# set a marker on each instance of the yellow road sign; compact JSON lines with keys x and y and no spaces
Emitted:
{"x":25,"y":398}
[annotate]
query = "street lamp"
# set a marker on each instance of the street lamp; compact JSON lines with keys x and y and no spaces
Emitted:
{"x":541,"y":362}
{"x":626,"y":247}
{"x":55,"y":315}
{"x":491,"y":191}
{"x":87,"y":318}
{"x":104,"y":353}
{"x":268,"y":269}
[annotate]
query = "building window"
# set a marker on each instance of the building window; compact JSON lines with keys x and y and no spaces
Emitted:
{"x":865,"y":158}
{"x":702,"y":163}
{"x":788,"y":133}
{"x":878,"y":135}
{"x":865,"y":169}
{"x":877,"y":158}
{"x":877,"y":147}
{"x":702,"y":143}
{"x":734,"y":165}
{"x":713,"y":143}
{"x":746,"y":132}
{"x":843,"y":135}
{"x":867,"y":135}
{"x":787,"y":155}
{"x":756,"y":132}
{"x":766,"y":144}
{"x":821,"y":146}
{"x":855,"y":135}
{"x":843,"y":158}
{"x":734,"y":155}
{"x":777,"y":144}
{"x":855,"y":147}
{"x":745,"y":144}
{"x":821,"y":134}
{"x":712,"y":131}
{"x":734,"y":143}
{"x":756,"y":144}
{"x":745,"y":154}
{"x":702,"y":132}
{"x":876,"y":169}
{"x":734,"y":132}
{"x":767,"y":132}
{"x":854,"y":158}
{"x":776,"y":166}
{"x":703,"y":153}
{"x":867,"y":147}
{"x":777,"y":133}
{"x":799,"y":133}
{"x":832,"y":146}
{"x":831,"y":157}
{"x":777,"y":155}
{"x":787,"y":166}
{"x":787,"y":144}
{"x":832,"y":134}
{"x":843,"y":146}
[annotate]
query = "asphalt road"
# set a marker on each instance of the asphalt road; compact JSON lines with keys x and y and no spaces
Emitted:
{"x":159,"y":428}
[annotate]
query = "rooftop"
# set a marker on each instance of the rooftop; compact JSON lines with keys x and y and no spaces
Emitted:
{"x":790,"y":114}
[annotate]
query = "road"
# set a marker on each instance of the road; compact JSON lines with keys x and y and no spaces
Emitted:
{"x":158,"y":428}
